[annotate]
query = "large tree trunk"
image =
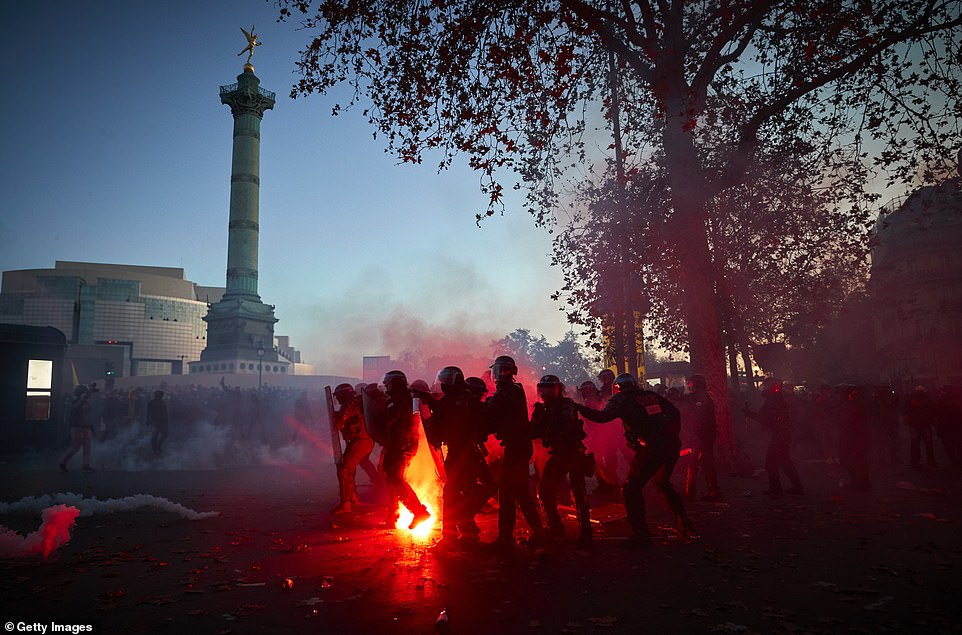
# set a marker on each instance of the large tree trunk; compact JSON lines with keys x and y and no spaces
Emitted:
{"x":733,"y":378}
{"x":690,"y":237}
{"x":747,"y":361}
{"x":725,"y":312}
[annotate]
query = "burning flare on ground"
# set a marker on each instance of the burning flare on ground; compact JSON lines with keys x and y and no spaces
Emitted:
{"x":425,"y":474}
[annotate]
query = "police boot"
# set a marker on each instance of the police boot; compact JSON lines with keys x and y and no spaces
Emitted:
{"x":584,"y":539}
{"x":344,"y":507}
{"x":584,"y":527}
{"x":691,"y":487}
{"x":556,"y":530}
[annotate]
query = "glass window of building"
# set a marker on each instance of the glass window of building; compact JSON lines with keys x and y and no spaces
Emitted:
{"x":39,"y":389}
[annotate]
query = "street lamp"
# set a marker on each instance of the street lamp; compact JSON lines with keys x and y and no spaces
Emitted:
{"x":260,"y":366}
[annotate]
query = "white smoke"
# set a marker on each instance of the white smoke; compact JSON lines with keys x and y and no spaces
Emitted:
{"x":204,"y":446}
{"x":93,"y":505}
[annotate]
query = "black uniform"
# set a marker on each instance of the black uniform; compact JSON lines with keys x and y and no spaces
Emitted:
{"x":652,"y":425}
{"x":774,"y":417}
{"x":508,"y":415}
{"x":853,"y":435}
{"x":700,"y":409}
{"x":885,"y":414}
{"x":948,"y":423}
{"x":456,"y":422}
{"x":919,"y":416}
{"x":557,"y":424}
{"x":402,"y":444}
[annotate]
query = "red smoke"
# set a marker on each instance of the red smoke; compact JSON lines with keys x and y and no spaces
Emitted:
{"x":54,"y":531}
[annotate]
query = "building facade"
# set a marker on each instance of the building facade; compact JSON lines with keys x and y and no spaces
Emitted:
{"x":153,"y":315}
{"x":916,"y":288}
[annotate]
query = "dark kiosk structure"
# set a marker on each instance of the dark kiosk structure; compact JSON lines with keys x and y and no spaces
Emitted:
{"x":31,"y":378}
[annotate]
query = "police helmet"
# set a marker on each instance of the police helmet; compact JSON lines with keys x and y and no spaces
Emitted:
{"x":587,"y":386}
{"x":341,"y":389}
{"x":344,"y":393}
{"x":697,"y":382}
{"x":477,"y":386}
{"x":771,"y":386}
{"x":625,"y":382}
{"x":549,"y":386}
{"x":395,"y":380}
{"x":606,"y":376}
{"x":420,"y":384}
{"x":450,"y":376}
{"x":503,"y":366}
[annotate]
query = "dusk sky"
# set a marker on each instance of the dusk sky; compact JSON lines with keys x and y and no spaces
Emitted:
{"x":117,"y":150}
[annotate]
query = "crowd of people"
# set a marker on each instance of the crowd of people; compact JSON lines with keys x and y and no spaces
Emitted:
{"x":618,"y":434}
{"x":461,"y":417}
{"x":173,"y":413}
{"x":566,"y":438}
{"x":860,"y":428}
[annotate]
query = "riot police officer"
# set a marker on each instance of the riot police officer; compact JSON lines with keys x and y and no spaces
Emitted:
{"x":607,"y":380}
{"x":456,"y":422}
{"x":918,"y":413}
{"x":402,"y":436}
{"x":507,"y":411}
{"x":700,"y":408}
{"x":555,"y":421}
{"x":774,"y":417}
{"x":652,"y":425}
{"x":349,"y":420}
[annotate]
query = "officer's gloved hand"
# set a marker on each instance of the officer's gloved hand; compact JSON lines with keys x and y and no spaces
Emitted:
{"x":420,"y":394}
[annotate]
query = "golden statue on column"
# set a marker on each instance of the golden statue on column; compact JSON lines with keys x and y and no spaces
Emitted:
{"x":251,"y":43}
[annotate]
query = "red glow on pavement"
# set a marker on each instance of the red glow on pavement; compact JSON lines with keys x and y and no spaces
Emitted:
{"x":299,"y":430}
{"x":424,"y":475}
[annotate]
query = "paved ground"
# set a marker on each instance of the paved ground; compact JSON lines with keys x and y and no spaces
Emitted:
{"x":272,"y":561}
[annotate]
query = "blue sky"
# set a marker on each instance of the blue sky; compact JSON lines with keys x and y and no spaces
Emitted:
{"x":117,"y":149}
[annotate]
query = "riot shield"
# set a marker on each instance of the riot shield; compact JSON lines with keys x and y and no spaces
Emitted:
{"x":336,"y":449}
{"x":374,"y":415}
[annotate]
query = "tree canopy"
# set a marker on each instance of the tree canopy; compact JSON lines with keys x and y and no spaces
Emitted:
{"x":515,"y":86}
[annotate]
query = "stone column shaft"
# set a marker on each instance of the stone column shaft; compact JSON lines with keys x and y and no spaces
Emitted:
{"x":248,"y":103}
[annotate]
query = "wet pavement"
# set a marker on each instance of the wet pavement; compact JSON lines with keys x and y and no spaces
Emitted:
{"x":275,"y":560}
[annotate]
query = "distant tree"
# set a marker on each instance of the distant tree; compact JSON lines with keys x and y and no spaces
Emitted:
{"x":787,"y":246}
{"x":536,"y":356}
{"x":509,"y":84}
{"x":569,"y":361}
{"x":524,"y":347}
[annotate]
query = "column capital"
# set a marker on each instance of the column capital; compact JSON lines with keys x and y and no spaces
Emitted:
{"x":246,"y":97}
